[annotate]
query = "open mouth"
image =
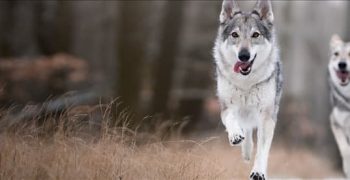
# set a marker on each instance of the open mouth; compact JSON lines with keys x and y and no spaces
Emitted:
{"x":244,"y":67}
{"x":343,"y":76}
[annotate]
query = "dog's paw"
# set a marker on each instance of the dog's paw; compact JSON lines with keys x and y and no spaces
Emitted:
{"x":257,"y":176}
{"x":235,"y":139}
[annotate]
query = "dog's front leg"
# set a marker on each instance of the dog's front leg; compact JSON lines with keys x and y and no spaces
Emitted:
{"x":247,"y":145}
{"x":265,"y":135}
{"x":230,"y":120}
{"x":343,"y":144}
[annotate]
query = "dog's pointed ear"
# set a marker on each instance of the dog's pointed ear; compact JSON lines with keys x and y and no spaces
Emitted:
{"x":264,"y":9}
{"x":229,"y":8}
{"x":335,"y":40}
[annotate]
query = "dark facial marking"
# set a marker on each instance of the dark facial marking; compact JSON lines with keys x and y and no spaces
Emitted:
{"x":264,"y":30}
{"x":263,"y":26}
{"x":256,"y":13}
{"x":246,"y":19}
{"x":238,"y":12}
{"x":228,"y":29}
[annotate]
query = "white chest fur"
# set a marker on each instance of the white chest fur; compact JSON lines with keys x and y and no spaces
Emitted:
{"x":341,"y":117}
{"x":257,"y":96}
{"x":247,"y":104}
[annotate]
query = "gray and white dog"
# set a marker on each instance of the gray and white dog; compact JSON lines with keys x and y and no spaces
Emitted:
{"x":249,"y":80}
{"x":339,"y":77}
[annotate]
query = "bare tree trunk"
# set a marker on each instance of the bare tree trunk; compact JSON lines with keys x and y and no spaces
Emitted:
{"x":164,"y":65}
{"x":22,"y":28}
{"x":5,"y":22}
{"x":131,"y":42}
{"x":55,"y":26}
{"x":32,"y":28}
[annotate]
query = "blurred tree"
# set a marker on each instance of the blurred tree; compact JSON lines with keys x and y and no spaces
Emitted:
{"x":347,"y":34}
{"x":5,"y":21}
{"x":19,"y":28}
{"x":34,"y":28}
{"x":54,"y":26}
{"x":93,"y":38}
{"x":164,"y":65}
{"x":131,"y":43}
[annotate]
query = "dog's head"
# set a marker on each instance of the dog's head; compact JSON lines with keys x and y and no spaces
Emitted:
{"x":340,"y":61}
{"x":245,"y":38}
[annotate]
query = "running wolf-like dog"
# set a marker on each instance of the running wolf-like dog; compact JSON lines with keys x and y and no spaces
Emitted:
{"x":339,"y":76}
{"x":249,"y":80}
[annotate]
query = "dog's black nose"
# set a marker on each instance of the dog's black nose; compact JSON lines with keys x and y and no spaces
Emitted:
{"x":342,"y":65}
{"x":244,"y":55}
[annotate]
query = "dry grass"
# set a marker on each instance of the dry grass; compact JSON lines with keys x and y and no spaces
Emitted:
{"x":74,"y":158}
{"x":119,"y":153}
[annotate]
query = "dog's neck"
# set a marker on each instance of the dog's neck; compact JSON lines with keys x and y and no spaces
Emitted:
{"x":340,"y":96}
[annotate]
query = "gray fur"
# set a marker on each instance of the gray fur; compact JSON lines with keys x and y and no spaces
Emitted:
{"x":279,"y":86}
{"x":338,"y":99}
{"x":249,"y":94}
{"x":247,"y":19}
{"x":338,"y":78}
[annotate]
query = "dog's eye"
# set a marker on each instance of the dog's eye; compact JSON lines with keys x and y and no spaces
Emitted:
{"x":336,"y":54}
{"x":235,"y":35}
{"x":255,"y":35}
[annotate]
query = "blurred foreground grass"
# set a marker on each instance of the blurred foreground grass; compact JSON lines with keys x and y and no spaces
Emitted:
{"x":70,"y":146}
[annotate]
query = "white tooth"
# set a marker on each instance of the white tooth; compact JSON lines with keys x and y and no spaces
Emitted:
{"x":248,"y":69}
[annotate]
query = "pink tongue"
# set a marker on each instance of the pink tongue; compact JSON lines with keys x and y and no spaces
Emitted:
{"x":342,"y":76}
{"x":240,"y":64}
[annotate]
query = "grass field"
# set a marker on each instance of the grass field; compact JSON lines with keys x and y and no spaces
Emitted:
{"x":109,"y":158}
{"x":67,"y":150}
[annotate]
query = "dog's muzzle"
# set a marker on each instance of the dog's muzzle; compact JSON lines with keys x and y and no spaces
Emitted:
{"x":343,"y":77}
{"x":342,"y":73}
{"x":244,"y":67}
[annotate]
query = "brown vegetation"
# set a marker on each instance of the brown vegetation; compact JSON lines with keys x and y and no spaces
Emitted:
{"x":75,"y":147}
{"x":74,"y":158}
{"x":36,"y":79}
